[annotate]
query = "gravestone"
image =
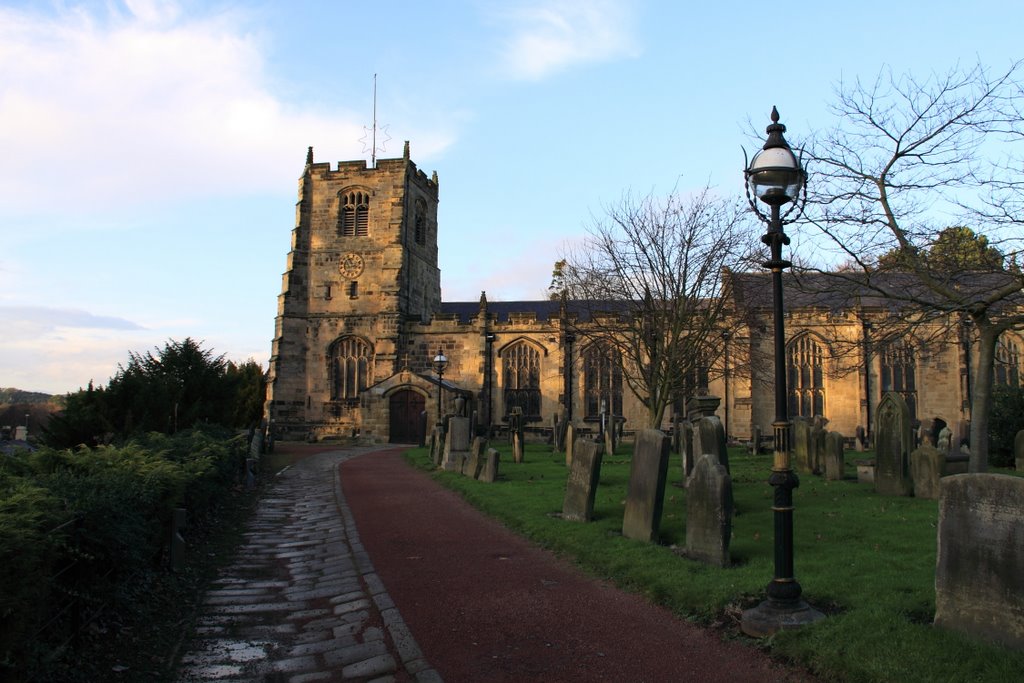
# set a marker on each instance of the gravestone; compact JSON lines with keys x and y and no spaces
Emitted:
{"x":696,"y":408}
{"x":944,"y":441}
{"x":834,"y":460}
{"x":709,"y":438}
{"x":1018,"y":451}
{"x":477,"y":456}
{"x":516,"y":424}
{"x":925,"y":433}
{"x":489,"y":472}
{"x":456,"y":447}
{"x":645,"y":495}
{"x":860,"y":439}
{"x":709,"y":510}
{"x":517,"y":447}
{"x":979,"y":568}
{"x":893,"y":439}
{"x":581,"y":485}
{"x":560,"y":427}
{"x":802,"y":446}
{"x":926,"y":465}
{"x":570,"y":439}
{"x":755,"y":441}
{"x":686,"y":444}
{"x":816,"y":446}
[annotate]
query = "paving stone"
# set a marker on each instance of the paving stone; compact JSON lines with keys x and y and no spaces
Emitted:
{"x":370,"y":667}
{"x":354,"y":653}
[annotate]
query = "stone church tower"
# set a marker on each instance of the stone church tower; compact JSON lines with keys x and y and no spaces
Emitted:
{"x":363,"y":263}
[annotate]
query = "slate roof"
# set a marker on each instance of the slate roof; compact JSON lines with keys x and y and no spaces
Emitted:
{"x":547,"y":309}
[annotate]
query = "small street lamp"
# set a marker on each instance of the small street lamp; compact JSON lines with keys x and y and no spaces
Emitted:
{"x":440,"y":363}
{"x":775,"y":177}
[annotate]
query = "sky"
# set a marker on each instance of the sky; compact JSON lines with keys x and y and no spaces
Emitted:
{"x":149,"y":150}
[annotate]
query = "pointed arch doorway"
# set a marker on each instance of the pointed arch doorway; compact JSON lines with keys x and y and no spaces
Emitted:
{"x":405,"y":422}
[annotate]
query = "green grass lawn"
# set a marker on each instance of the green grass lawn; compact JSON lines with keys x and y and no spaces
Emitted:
{"x":867,"y":561}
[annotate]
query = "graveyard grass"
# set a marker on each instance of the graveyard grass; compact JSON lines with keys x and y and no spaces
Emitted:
{"x":865,"y":560}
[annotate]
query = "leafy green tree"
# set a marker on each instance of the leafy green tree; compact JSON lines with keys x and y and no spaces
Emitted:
{"x":83,"y":421}
{"x":954,"y":249}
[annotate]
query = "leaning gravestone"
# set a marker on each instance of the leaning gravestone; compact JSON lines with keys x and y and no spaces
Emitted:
{"x":834,"y":461}
{"x":893,"y":439}
{"x":581,"y":485}
{"x":456,"y":447}
{"x":477,"y":457}
{"x":1018,"y":451}
{"x":570,"y":438}
{"x":709,"y":510}
{"x":709,"y":438}
{"x":489,"y":472}
{"x":979,"y":568}
{"x":926,"y":464}
{"x":802,"y":446}
{"x":646,"y":493}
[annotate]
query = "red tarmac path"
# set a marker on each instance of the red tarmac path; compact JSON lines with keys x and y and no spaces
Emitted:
{"x":486,"y":606}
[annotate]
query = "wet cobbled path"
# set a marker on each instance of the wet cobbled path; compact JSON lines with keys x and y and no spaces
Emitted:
{"x":302,"y":602}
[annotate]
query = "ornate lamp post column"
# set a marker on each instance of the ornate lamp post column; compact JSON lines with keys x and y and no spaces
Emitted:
{"x":570,"y":376}
{"x":489,"y":339}
{"x":440,"y":363}
{"x":776,"y":178}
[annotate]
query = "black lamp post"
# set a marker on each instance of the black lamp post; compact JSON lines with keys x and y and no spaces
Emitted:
{"x":776,"y":178}
{"x":489,"y":339}
{"x":440,"y":363}
{"x":725,"y":377}
{"x":570,"y":376}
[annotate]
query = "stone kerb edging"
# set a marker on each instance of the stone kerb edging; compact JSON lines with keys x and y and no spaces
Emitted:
{"x":412,"y":657}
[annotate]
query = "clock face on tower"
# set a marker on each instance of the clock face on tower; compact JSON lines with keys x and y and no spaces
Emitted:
{"x":351,"y":266}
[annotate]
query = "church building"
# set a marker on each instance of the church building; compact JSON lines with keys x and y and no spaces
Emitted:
{"x":360,"y":321}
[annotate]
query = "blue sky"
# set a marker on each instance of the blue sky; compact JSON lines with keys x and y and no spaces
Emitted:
{"x":149,"y":150}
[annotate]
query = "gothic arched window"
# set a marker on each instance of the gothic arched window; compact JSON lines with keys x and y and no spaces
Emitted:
{"x":805,"y":363}
{"x":899,"y":367}
{"x":420,"y":222}
{"x":1007,"y":365}
{"x":521,"y":379}
{"x":602,"y":380}
{"x":350,"y":367}
{"x":354,"y":213}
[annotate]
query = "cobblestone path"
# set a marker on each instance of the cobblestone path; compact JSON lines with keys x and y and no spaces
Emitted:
{"x":302,"y":601}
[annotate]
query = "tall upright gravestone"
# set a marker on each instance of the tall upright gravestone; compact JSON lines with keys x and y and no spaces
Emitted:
{"x":709,"y":510}
{"x":581,"y":485}
{"x":709,"y":438}
{"x":645,"y":496}
{"x":570,"y":440}
{"x":834,"y":461}
{"x":893,"y":443}
{"x":979,"y":567}
{"x":802,"y":446}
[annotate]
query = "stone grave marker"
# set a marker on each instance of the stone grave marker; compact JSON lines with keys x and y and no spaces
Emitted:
{"x":816,"y":446}
{"x":709,"y":510}
{"x":489,"y":472}
{"x":645,"y":495}
{"x":696,"y":408}
{"x":477,"y":457}
{"x":570,"y":439}
{"x":456,"y":448}
{"x":581,"y":485}
{"x":802,"y":446}
{"x":834,"y":460}
{"x":755,"y":441}
{"x":1018,"y":451}
{"x":860,"y":439}
{"x":560,"y":426}
{"x":979,"y":568}
{"x":944,"y":441}
{"x":709,"y":438}
{"x":686,"y":445}
{"x":893,"y":439}
{"x":926,"y":465}
{"x":517,"y":447}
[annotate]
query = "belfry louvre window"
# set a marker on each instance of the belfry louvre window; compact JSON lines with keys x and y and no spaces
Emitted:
{"x":805,"y":364}
{"x":602,"y":380}
{"x":420,"y":222}
{"x":898,"y":367}
{"x":355,"y":214}
{"x":350,"y":367}
{"x":1007,"y":365}
{"x":521,"y":380}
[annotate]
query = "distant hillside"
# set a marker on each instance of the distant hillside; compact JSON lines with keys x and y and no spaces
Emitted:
{"x":11,"y":395}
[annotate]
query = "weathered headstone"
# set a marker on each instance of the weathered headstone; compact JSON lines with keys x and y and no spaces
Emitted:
{"x":570,"y":439}
{"x":925,"y":433}
{"x":456,"y":447}
{"x":816,"y":446}
{"x":581,"y":485}
{"x":560,"y":426}
{"x":1018,"y":451}
{"x":696,"y":408}
{"x":860,"y":439}
{"x":926,"y":465}
{"x":802,"y":446}
{"x":489,"y":472}
{"x":944,"y":441}
{"x":517,"y":447}
{"x":979,"y":568}
{"x":834,"y":460}
{"x":686,"y":445}
{"x":709,"y":438}
{"x":477,"y":456}
{"x":755,"y":440}
{"x":709,"y":510}
{"x":893,"y":439}
{"x":645,"y":495}
{"x":865,"y":471}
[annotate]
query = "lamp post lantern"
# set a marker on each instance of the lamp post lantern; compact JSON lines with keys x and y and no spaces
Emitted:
{"x":775,"y":177}
{"x":440,"y":363}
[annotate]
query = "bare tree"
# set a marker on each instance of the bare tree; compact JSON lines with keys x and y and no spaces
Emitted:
{"x":908,"y":159}
{"x":648,"y":280}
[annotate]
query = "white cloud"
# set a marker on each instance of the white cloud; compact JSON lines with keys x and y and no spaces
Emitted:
{"x":550,"y":36}
{"x":148,"y":104}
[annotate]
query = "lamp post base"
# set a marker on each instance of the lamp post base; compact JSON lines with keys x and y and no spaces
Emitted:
{"x":773,"y":616}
